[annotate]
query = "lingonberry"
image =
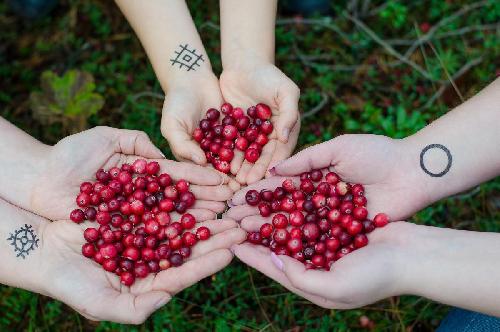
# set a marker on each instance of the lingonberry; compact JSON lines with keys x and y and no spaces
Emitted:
{"x":360,"y":241}
{"x":266,"y":230}
{"x":263,"y":111}
{"x":108,"y":251}
{"x":110,"y":265}
{"x":360,"y":213}
{"x":176,"y":259}
{"x":189,"y":239}
{"x":131,"y":253}
{"x":266,"y":127}
{"x":316,"y":175}
{"x":346,"y":207}
{"x":368,"y":226}
{"x":241,"y":143}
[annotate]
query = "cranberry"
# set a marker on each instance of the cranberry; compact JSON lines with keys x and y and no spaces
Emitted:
{"x":359,"y":201}
{"x":266,"y":230}
{"x":88,"y":250}
{"x":254,"y":237}
{"x":241,"y":143}
{"x":164,"y":180}
{"x":108,"y":251}
{"x":280,"y":221}
{"x":346,"y":207}
{"x":307,"y":186}
{"x":266,"y":127}
{"x":311,"y":231}
{"x":226,"y":108}
{"x":380,"y":220}
{"x":287,"y":204}
{"x":203,"y":233}
{"x":226,"y":154}
{"x":77,"y":216}
{"x":263,"y":111}
{"x":316,"y":175}
{"x":185,"y":252}
{"x":189,"y":239}
{"x":131,"y":253}
{"x":127,"y":278}
{"x":296,"y":218}
{"x":176,"y":260}
{"x":294,"y":245}
{"x":264,"y":209}
{"x":318,"y":260}
{"x":281,"y":236}
{"x":368,"y":226}
{"x":252,"y":155}
{"x":102,"y":176}
{"x":213,"y":114}
{"x":360,"y":213}
{"x":252,"y":197}
{"x":332,"y":244}
{"x":198,"y":135}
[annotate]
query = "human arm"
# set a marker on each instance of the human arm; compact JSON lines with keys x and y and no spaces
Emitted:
{"x":45,"y":179}
{"x":168,"y":34}
{"x":249,"y":77}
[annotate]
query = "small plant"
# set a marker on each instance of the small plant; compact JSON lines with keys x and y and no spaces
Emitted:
{"x":68,"y":100}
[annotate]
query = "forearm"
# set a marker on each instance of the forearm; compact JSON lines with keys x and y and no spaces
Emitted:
{"x":22,"y":261}
{"x":21,"y":163}
{"x":163,"y":28}
{"x":459,"y":268}
{"x":247,"y":30}
{"x":463,"y":147}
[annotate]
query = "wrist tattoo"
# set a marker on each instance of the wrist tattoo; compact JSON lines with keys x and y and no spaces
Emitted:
{"x":24,"y":240}
{"x":187,"y":58}
{"x":448,"y":155}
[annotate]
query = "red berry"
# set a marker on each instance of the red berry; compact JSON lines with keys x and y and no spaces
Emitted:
{"x":360,"y":213}
{"x":127,"y":278}
{"x":280,"y":221}
{"x":139,"y":166}
{"x":263,"y":111}
{"x":213,"y":114}
{"x":264,"y":209}
{"x":203,"y":233}
{"x":296,"y":218}
{"x":226,"y":154}
{"x":311,"y":231}
{"x":266,"y":230}
{"x":188,"y":221}
{"x":266,"y":127}
{"x":88,"y":250}
{"x":380,"y":220}
{"x":294,"y":245}
{"x":226,"y":108}
{"x":176,"y":260}
{"x":108,"y":251}
{"x":252,"y":155}
{"x":77,"y":216}
{"x":360,"y":241}
{"x":281,"y":236}
{"x":252,"y":197}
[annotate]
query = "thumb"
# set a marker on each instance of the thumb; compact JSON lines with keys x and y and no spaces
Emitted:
{"x":315,"y":157}
{"x":131,"y":142}
{"x":288,"y":111}
{"x":181,"y":143}
{"x":149,"y":302}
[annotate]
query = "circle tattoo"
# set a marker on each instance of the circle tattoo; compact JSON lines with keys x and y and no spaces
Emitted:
{"x":440,"y":147}
{"x":23,"y":240}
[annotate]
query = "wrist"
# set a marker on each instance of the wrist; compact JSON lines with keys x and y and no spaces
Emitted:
{"x":245,"y":58}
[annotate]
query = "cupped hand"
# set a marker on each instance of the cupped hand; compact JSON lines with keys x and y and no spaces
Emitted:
{"x":76,"y":158}
{"x":362,"y":277}
{"x":377,"y":162}
{"x":98,"y":295}
{"x":185,"y":105}
{"x":252,"y":82}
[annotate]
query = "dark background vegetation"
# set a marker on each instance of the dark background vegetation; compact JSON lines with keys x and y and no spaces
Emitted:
{"x":384,"y":67}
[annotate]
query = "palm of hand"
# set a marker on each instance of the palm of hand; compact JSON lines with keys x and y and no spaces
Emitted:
{"x":264,"y":84}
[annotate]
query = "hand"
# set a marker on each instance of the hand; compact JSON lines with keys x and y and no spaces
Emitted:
{"x":366,"y":275}
{"x":377,"y":162}
{"x":251,"y":83}
{"x":183,"y":109}
{"x":98,"y":295}
{"x":76,"y":158}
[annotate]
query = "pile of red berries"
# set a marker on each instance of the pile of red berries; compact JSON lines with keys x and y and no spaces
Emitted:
{"x":325,"y":219}
{"x":132,"y":206}
{"x":247,"y":133}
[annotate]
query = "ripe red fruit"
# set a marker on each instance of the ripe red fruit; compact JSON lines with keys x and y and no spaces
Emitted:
{"x":266,"y":230}
{"x":108,"y":251}
{"x":226,"y":108}
{"x":188,"y":221}
{"x":266,"y":127}
{"x":296,"y":218}
{"x":280,"y":221}
{"x":252,"y":197}
{"x":380,"y":220}
{"x":139,"y":166}
{"x":77,"y":216}
{"x":252,"y":155}
{"x":311,"y":231}
{"x":88,"y":250}
{"x":212,"y":114}
{"x":360,"y":213}
{"x":263,"y":111}
{"x":241,"y":143}
{"x":281,"y":236}
{"x":294,"y":245}
{"x":176,"y":260}
{"x":230,"y":132}
{"x":354,"y":227}
{"x":127,"y":278}
{"x":226,"y":154}
{"x":264,"y":209}
{"x":254,"y":237}
{"x":360,"y":241}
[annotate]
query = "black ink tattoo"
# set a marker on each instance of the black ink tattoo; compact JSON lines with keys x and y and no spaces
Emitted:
{"x":23,"y":240}
{"x":436,"y":146}
{"x":187,"y":58}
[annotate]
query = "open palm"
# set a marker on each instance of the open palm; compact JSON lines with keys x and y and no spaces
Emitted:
{"x":76,"y":158}
{"x":98,"y":295}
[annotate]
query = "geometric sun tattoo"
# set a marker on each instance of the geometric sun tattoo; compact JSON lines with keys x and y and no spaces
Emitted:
{"x":23,"y":240}
{"x":187,"y":58}
{"x":448,"y":155}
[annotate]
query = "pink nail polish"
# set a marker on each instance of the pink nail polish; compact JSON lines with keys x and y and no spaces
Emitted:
{"x":276,"y":261}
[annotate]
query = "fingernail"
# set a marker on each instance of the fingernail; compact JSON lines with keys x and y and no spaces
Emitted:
{"x":162,"y":302}
{"x":276,"y":261}
{"x":286,"y":132}
{"x":273,"y":171}
{"x":230,"y":203}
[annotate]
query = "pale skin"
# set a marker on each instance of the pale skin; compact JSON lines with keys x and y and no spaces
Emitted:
{"x":56,"y":268}
{"x":47,"y":178}
{"x":249,"y":76}
{"x":459,"y":268}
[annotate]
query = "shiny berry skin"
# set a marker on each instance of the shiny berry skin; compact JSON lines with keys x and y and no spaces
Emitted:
{"x":318,"y":200}
{"x":288,"y":186}
{"x":102,"y":176}
{"x":213,"y":114}
{"x":103,"y":218}
{"x":238,"y":113}
{"x":83,"y":200}
{"x":380,"y":220}
{"x":254,"y":238}
{"x":189,"y":239}
{"x":281,"y":236}
{"x":241,"y":143}
{"x":77,"y":216}
{"x":346,"y":207}
{"x":311,"y":231}
{"x":332,"y":178}
{"x":266,"y":127}
{"x":316,"y":175}
{"x":164,"y":264}
{"x":203,"y":233}
{"x":264,"y":209}
{"x":252,"y":197}
{"x":287,"y":204}
{"x":307,"y":186}
{"x":294,"y":245}
{"x":91,"y":234}
{"x":261,"y":139}
{"x":108,"y":251}
{"x":318,"y":260}
{"x":141,"y":270}
{"x":358,"y":190}
{"x":127,"y":278}
{"x":137,"y":207}
{"x":230,"y":132}
{"x":320,"y":248}
{"x":139,"y":166}
{"x":251,"y":133}
{"x":252,"y":155}
{"x":198,"y":135}
{"x":226,"y":108}
{"x":222,"y":166}
{"x":296,"y":218}
{"x":88,"y":250}
{"x":341,"y":188}
{"x":280,"y":221}
{"x":266,"y":230}
{"x":360,"y":241}
{"x":368,"y":226}
{"x":226,"y":154}
{"x":263,"y":111}
{"x":131,"y":253}
{"x":188,"y":221}
{"x":176,"y":260}
{"x":354,"y":227}
{"x":110,"y":265}
{"x":266,"y":195}
{"x":332,"y":244}
{"x":360,"y":213}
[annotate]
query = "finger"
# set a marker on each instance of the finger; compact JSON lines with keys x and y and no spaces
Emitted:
{"x":222,"y":240}
{"x":237,"y":162}
{"x":259,"y":169}
{"x":126,"y":307}
{"x":269,"y":183}
{"x":253,"y":223}
{"x":199,"y":214}
{"x":288,"y":111}
{"x":181,"y":142}
{"x":259,"y":258}
{"x":309,"y":281}
{"x":131,"y":142}
{"x":239,"y":212}
{"x":242,"y":172}
{"x":175,"y":279}
{"x":284,"y":150}
{"x":212,"y":193}
{"x":314,"y":157}
{"x":217,"y":226}
{"x":194,"y":174}
{"x":217,"y":207}
{"x":234,"y":185}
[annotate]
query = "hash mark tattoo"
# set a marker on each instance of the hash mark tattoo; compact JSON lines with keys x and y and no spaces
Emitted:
{"x":23,"y":240}
{"x":440,"y":147}
{"x":187,"y":58}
